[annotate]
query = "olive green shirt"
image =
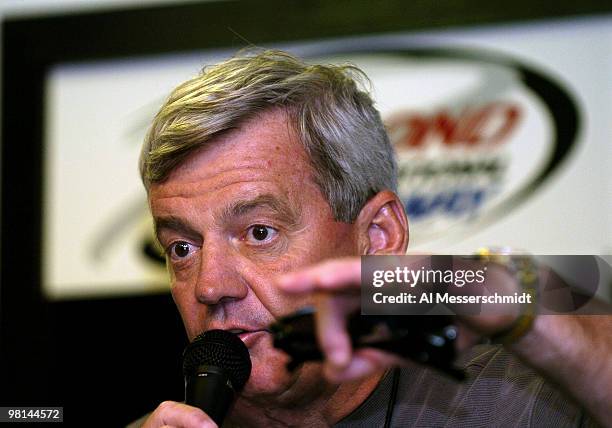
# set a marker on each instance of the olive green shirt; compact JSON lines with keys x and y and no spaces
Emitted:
{"x":499,"y":392}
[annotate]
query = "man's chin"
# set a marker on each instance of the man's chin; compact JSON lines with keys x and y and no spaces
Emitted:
{"x":281,"y":388}
{"x":269,"y":374}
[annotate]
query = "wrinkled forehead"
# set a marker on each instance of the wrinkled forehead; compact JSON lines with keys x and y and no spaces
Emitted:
{"x":262,"y":155}
{"x":268,"y":139}
{"x":265,"y":141}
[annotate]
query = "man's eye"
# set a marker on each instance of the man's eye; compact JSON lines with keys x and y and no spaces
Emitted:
{"x":180,"y":249}
{"x":261,"y":233}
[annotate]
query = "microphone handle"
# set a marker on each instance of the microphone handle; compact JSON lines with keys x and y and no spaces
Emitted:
{"x":210,"y":389}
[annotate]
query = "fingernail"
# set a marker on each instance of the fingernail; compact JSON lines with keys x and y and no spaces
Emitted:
{"x":338,"y":358}
{"x":293,"y":282}
{"x":284,"y":280}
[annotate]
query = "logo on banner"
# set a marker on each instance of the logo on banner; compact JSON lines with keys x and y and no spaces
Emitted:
{"x":475,"y":133}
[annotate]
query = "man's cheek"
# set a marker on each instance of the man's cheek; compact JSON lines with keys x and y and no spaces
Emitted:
{"x":283,"y":305}
{"x":193,"y":317}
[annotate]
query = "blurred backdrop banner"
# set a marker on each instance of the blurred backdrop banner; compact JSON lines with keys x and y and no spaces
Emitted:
{"x":500,"y":132}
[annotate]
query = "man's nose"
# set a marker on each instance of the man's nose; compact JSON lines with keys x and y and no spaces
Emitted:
{"x":219,"y":278}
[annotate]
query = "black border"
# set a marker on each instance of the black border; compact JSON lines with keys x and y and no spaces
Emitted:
{"x":31,"y":46}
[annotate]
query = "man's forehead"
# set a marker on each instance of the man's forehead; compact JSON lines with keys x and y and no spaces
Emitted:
{"x":197,"y":180}
{"x":234,"y":193}
{"x":266,"y":141}
{"x":240,"y":206}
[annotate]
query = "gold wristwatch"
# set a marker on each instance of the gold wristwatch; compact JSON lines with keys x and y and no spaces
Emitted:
{"x":525,"y":269}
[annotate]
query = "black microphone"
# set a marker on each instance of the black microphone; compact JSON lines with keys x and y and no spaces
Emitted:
{"x":216,"y":366}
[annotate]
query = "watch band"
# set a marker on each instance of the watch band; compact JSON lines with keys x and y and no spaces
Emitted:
{"x":525,"y":270}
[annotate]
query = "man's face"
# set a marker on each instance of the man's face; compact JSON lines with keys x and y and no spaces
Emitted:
{"x":231,"y":217}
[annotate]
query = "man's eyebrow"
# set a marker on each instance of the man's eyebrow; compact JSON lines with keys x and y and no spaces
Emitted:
{"x":175,"y":224}
{"x":241,"y":207}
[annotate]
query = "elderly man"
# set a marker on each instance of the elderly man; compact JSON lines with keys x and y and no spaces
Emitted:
{"x":263,"y":167}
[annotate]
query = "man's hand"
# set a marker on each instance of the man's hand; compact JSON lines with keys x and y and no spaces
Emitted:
{"x":573,"y":351}
{"x":173,"y":414}
{"x":336,"y":287}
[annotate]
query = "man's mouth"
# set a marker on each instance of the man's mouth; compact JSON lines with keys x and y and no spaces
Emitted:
{"x":237,"y":330}
{"x":249,"y":337}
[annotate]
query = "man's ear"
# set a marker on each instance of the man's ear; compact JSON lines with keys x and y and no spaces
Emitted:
{"x":382,"y":225}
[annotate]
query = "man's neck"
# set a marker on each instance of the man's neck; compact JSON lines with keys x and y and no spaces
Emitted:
{"x":331,"y":405}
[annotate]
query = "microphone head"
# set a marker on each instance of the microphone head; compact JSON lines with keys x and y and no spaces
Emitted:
{"x":219,"y":348}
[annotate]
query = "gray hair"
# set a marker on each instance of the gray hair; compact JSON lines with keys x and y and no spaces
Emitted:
{"x":329,"y":106}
